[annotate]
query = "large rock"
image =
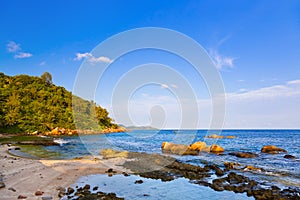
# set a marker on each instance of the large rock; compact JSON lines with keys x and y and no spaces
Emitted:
{"x":216,"y":149}
{"x":179,"y":149}
{"x":272,"y":149}
{"x":197,"y":146}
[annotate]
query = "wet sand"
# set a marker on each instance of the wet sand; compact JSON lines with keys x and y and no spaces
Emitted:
{"x":23,"y":176}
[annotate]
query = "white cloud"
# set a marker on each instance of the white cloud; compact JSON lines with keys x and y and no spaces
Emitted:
{"x":291,"y":88}
{"x":276,"y":106}
{"x":80,"y":56}
{"x":270,"y":107}
{"x":221,"y":61}
{"x":92,"y":59}
{"x":22,"y":55}
{"x":13,"y":47}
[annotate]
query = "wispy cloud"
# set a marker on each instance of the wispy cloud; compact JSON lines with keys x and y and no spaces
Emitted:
{"x":291,"y":88}
{"x":13,"y":47}
{"x":221,"y":61}
{"x":92,"y":59}
{"x":22,"y":55}
{"x":42,"y":63}
{"x":268,"y":107}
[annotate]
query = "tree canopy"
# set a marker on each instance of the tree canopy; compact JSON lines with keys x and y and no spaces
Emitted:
{"x":29,"y":103}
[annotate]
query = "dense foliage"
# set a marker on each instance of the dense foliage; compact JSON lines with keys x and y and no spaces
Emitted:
{"x":30,"y":104}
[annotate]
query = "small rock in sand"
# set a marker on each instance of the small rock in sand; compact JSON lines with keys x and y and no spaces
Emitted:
{"x":12,"y":189}
{"x":22,"y":197}
{"x":2,"y":185}
{"x":39,"y":193}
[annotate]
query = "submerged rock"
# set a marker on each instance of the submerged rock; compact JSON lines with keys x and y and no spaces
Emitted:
{"x":244,"y":154}
{"x":231,"y":165}
{"x":252,"y":168}
{"x":214,"y":136}
{"x":230,"y":137}
{"x":289,"y":156}
{"x":87,"y":195}
{"x":138,"y":182}
{"x":271,"y":149}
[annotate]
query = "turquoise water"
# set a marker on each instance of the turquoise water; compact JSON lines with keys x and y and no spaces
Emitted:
{"x":281,"y":171}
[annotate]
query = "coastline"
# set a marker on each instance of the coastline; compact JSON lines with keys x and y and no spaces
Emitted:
{"x":23,"y":176}
{"x":209,"y":175}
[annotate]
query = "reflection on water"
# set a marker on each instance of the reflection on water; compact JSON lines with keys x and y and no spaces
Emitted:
{"x":152,"y":189}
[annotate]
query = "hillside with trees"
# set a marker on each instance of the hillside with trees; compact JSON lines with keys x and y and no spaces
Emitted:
{"x":29,"y":103}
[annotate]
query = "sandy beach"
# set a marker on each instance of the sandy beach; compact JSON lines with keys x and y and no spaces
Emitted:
{"x":25,"y":177}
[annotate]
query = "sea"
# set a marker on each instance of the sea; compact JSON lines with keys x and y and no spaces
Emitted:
{"x":277,"y":171}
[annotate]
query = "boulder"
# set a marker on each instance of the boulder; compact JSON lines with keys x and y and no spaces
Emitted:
{"x":179,"y":149}
{"x":271,"y":149}
{"x":197,"y":146}
{"x":216,"y":149}
{"x":244,"y":154}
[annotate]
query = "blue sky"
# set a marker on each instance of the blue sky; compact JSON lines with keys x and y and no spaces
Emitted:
{"x":254,"y":44}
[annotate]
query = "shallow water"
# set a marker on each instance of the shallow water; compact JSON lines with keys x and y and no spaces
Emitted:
{"x":281,"y":171}
{"x":154,"y":189}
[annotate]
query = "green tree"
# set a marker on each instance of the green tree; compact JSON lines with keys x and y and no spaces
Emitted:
{"x":47,"y":77}
{"x":30,"y":104}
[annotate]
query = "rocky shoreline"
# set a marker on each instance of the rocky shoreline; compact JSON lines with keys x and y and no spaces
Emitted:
{"x":228,"y":178}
